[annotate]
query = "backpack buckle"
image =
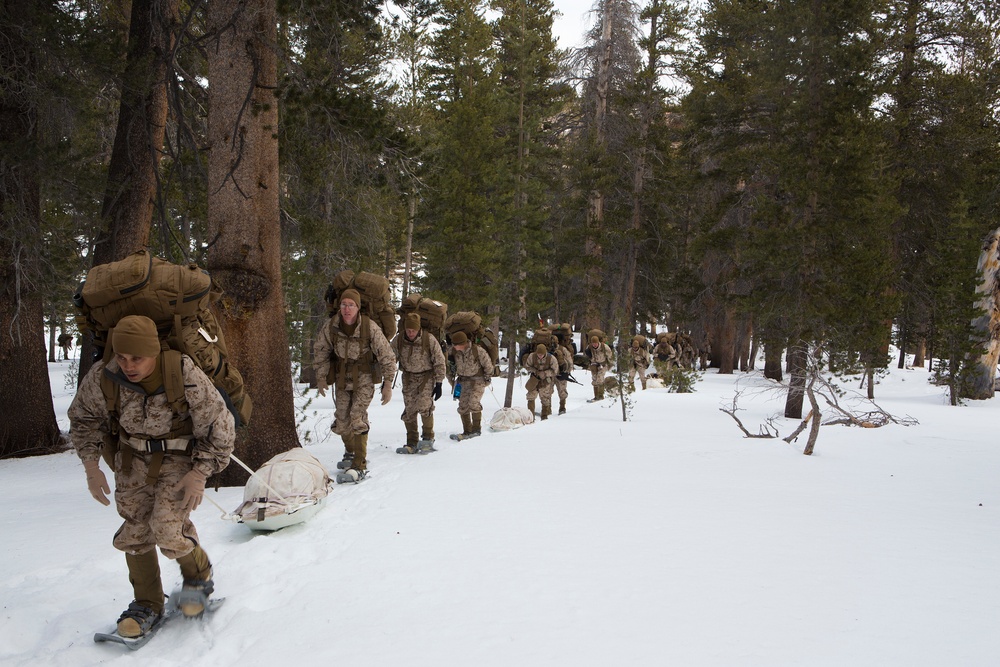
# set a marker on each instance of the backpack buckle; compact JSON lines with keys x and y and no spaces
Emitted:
{"x":156,"y":445}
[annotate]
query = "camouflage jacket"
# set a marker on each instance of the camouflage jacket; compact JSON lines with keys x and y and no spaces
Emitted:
{"x":333,"y":343}
{"x":545,"y":369}
{"x":565,"y":359}
{"x":664,"y":351}
{"x":474,"y":362}
{"x":601,"y":356}
{"x":151,"y":416}
{"x":420,"y":355}
{"x":640,"y":357}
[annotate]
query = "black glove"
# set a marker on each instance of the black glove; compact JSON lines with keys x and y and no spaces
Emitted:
{"x":437,"y":391}
{"x":563,"y":377}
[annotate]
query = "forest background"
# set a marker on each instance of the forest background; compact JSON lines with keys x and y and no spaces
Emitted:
{"x":801,"y":176}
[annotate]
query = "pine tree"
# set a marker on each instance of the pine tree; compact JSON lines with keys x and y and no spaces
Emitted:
{"x":528,"y":69}
{"x":456,"y":225}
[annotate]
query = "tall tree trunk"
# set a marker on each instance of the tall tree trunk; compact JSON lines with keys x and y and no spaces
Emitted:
{"x":594,"y":248}
{"x":133,"y":173}
{"x":797,"y":367}
{"x":27,"y":417}
{"x":772,"y":360}
{"x":245,"y":252}
{"x":985,"y":367}
{"x":410,"y":215}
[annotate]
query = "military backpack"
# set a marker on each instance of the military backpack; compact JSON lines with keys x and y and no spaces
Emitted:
{"x":376,"y":299}
{"x":178,"y":299}
{"x":470,"y":323}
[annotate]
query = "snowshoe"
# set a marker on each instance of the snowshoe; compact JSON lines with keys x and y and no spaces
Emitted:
{"x":137,"y":620}
{"x":465,"y":436}
{"x":192,"y":599}
{"x":351,"y":476}
{"x":345,"y":462}
{"x":408,"y":449}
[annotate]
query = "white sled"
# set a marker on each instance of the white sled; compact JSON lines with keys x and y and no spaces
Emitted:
{"x":507,"y":419}
{"x":288,"y":489}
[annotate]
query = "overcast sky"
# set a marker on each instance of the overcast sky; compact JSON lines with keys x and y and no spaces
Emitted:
{"x":569,"y":27}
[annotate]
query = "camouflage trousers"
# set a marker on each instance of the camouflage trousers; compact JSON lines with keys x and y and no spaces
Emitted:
{"x":561,"y":387}
{"x":351,"y":406}
{"x":597,"y":373}
{"x":472,"y":394}
{"x":544,"y":391}
{"x":417,"y":399}
{"x":641,"y":371}
{"x":153,"y":514}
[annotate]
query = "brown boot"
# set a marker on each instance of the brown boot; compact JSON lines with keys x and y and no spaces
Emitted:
{"x":562,"y":407}
{"x":198,"y":585}
{"x":467,"y":424}
{"x":348,"y":451}
{"x":531,"y":408}
{"x":546,"y":411}
{"x":428,"y":435}
{"x":360,"y":452}
{"x":477,"y":418}
{"x":412,"y":435}
{"x":144,"y":575}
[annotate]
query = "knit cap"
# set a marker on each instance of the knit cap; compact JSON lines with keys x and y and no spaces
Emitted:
{"x":459,"y":338}
{"x":135,"y":335}
{"x":411,"y":321}
{"x":351,"y":294}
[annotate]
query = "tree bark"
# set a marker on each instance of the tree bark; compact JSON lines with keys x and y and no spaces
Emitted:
{"x":243,"y":215}
{"x":797,"y":365}
{"x":27,"y":417}
{"x":133,"y":173}
{"x":986,"y":325}
{"x":772,"y":360}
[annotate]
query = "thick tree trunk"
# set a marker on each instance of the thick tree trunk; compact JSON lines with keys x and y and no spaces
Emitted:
{"x":797,"y":364}
{"x":27,"y":417}
{"x":919,"y":355}
{"x":772,"y":360}
{"x":131,"y":189}
{"x":986,"y":325}
{"x":594,"y":248}
{"x":245,"y":253}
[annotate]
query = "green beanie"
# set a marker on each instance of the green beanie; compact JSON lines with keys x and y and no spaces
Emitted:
{"x":135,"y":335}
{"x":459,"y":338}
{"x":411,"y":321}
{"x":541,"y":349}
{"x":353,"y":295}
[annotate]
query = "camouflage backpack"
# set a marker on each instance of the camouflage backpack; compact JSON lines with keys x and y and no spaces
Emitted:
{"x":470,"y":323}
{"x":178,"y":299}
{"x":433,"y":314}
{"x":375,"y":298}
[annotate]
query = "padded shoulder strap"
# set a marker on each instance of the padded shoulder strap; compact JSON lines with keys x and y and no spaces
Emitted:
{"x":173,"y":380}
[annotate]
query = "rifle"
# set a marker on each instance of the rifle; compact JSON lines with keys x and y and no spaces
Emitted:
{"x":568,"y":377}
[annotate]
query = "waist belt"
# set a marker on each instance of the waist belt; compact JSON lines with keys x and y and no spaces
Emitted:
{"x":154,"y":445}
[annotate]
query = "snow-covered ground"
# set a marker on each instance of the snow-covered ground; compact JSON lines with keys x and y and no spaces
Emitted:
{"x":582,"y":540}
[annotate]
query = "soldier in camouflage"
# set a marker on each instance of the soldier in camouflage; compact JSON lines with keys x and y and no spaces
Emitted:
{"x":601,"y":360}
{"x":352,"y":354}
{"x":473,"y":370}
{"x":162,"y":456}
{"x":640,"y":361}
{"x":543,"y":369}
{"x":422,"y":363}
{"x":564,"y":356}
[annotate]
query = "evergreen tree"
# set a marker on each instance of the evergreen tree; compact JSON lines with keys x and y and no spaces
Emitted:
{"x":456,"y":226}
{"x":531,"y":94}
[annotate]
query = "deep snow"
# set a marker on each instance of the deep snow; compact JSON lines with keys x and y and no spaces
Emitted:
{"x":582,"y":540}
